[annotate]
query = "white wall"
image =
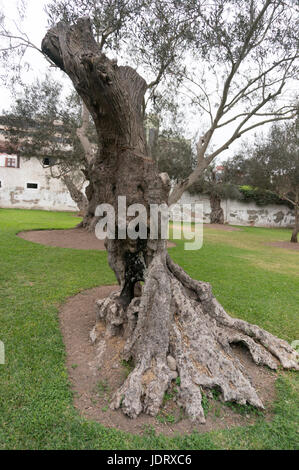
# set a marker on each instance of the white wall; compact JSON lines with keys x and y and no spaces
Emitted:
{"x":272,"y":215}
{"x":241,"y":213}
{"x":51,"y":194}
{"x":177,"y":214}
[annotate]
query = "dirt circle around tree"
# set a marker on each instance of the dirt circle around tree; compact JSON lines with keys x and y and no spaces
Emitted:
{"x":285,"y":245}
{"x":81,"y":239}
{"x":75,"y":238}
{"x":96,"y":373}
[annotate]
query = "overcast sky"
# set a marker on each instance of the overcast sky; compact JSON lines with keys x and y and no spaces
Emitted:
{"x":35,"y":26}
{"x":35,"y":23}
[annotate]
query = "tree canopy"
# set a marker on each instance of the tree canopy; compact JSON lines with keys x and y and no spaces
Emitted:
{"x":43,"y":123}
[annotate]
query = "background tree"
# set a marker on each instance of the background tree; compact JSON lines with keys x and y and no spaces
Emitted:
{"x":273,"y":164}
{"x":171,"y":151}
{"x":240,"y":83}
{"x":216,"y":182}
{"x":175,"y":322}
{"x":43,"y":124}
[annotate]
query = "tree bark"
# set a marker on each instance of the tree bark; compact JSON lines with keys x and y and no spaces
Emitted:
{"x":216,"y":216}
{"x":294,"y":237}
{"x":172,"y":324}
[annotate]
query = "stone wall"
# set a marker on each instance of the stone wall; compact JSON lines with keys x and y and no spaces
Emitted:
{"x":240,"y":213}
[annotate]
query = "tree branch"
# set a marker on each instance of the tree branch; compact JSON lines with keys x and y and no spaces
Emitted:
{"x":82,"y":135}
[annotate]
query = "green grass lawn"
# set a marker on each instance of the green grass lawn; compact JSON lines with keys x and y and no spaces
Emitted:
{"x":253,"y":281}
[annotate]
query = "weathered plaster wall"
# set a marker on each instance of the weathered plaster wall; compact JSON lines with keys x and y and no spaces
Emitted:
{"x":51,"y":193}
{"x":240,"y":213}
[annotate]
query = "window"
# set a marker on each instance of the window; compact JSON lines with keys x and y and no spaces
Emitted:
{"x":49,"y":161}
{"x":10,"y":162}
{"x":32,"y":185}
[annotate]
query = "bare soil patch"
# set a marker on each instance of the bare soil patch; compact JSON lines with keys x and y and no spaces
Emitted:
{"x":77,"y":238}
{"x":285,"y":245}
{"x":227,"y":228}
{"x":96,"y":371}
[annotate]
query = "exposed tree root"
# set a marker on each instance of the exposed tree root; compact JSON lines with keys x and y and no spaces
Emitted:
{"x":177,"y":328}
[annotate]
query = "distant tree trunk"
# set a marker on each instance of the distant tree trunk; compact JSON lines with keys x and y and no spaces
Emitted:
{"x":216,"y":216}
{"x":89,"y":220}
{"x":174,"y":326}
{"x":75,"y":193}
{"x":294,"y":237}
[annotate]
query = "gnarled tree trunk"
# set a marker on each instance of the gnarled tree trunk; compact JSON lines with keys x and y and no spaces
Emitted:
{"x":216,"y":216}
{"x":173,"y":325}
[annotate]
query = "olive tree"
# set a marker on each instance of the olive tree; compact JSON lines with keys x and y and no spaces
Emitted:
{"x":173,"y":321}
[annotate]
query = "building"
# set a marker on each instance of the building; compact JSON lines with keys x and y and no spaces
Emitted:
{"x":25,"y":183}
